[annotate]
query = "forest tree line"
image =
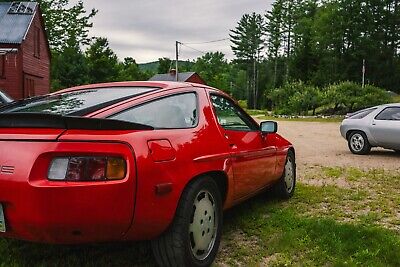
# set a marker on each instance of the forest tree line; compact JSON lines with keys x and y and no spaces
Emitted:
{"x":296,"y":58}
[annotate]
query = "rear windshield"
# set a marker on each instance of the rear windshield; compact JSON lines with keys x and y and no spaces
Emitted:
{"x":77,"y":103}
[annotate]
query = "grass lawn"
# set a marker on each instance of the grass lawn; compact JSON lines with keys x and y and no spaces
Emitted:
{"x":338,"y":217}
{"x":306,"y":119}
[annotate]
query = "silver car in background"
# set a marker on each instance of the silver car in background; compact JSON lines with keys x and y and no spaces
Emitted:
{"x":4,"y":98}
{"x":373,"y":127}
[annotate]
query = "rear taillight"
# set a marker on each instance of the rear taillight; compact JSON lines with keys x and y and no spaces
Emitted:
{"x":87,"y":169}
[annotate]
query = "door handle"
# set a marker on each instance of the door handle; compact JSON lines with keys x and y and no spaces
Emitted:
{"x":233,"y":146}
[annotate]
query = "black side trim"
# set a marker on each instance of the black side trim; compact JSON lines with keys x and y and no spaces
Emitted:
{"x":51,"y":121}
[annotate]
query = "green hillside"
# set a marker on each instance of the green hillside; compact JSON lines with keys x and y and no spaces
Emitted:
{"x":153,"y":66}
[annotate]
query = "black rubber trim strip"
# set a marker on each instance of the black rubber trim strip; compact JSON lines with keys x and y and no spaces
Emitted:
{"x":52,"y":121}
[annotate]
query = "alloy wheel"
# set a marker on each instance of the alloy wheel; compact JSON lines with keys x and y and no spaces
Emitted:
{"x":357,"y":142}
{"x":203,"y":226}
{"x":289,"y":175}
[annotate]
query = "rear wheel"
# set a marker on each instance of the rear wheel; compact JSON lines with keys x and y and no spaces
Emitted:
{"x":358,"y":143}
{"x":194,"y":236}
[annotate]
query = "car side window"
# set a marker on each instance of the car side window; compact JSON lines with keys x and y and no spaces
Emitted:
{"x":389,"y":114}
{"x":172,"y":112}
{"x":229,"y":116}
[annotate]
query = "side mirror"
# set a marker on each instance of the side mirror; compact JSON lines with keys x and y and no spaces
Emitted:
{"x":269,"y":127}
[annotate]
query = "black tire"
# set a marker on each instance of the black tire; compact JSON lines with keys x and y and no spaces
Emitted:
{"x":358,"y":143}
{"x":282,"y":188}
{"x":174,"y":247}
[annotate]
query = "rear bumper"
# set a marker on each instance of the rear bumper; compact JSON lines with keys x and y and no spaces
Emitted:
{"x":38,"y":210}
{"x":67,"y":214}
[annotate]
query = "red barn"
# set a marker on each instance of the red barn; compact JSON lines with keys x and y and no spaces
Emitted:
{"x":190,"y":77}
{"x":24,"y":50}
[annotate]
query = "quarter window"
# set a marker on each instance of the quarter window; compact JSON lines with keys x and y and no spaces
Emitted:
{"x":389,"y":114}
{"x":173,"y":112}
{"x":361,"y":114}
{"x":229,"y":116}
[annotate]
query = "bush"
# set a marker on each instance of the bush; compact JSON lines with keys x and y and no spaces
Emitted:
{"x":298,"y":98}
{"x":349,"y":96}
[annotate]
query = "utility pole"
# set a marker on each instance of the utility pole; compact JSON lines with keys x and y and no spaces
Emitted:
{"x":363,"y":74}
{"x":177,"y":60}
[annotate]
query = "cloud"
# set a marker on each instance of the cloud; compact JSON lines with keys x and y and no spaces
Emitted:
{"x":147,"y":30}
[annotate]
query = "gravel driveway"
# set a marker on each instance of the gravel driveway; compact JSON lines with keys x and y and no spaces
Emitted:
{"x":319,"y":143}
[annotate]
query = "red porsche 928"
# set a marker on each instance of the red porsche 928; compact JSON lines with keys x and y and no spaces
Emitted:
{"x":135,"y":161}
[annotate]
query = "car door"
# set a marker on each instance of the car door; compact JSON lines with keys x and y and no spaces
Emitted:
{"x":386,"y":128}
{"x":253,"y":155}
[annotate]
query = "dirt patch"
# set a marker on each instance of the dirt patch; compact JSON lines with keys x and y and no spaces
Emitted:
{"x":319,"y":143}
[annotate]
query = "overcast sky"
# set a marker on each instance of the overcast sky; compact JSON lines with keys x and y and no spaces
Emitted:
{"x":147,"y":29}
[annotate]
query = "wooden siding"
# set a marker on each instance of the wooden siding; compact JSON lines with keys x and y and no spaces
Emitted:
{"x":36,"y":66}
{"x":11,"y":82}
{"x":195,"y":78}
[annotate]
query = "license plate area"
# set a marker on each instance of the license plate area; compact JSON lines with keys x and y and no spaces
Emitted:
{"x":2,"y":220}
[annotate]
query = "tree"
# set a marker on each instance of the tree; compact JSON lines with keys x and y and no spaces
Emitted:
{"x":129,"y":71}
{"x":164,"y":65}
{"x":214,"y":69}
{"x":274,"y":33}
{"x":69,"y":67}
{"x":247,"y":44}
{"x":102,"y":62}
{"x":64,"y":21}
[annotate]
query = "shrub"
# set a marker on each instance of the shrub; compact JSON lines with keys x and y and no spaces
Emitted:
{"x":296,"y":98}
{"x":349,"y":96}
{"x":299,"y":98}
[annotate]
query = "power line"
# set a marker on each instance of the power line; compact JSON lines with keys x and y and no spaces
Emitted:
{"x":194,"y":48}
{"x":208,"y":42}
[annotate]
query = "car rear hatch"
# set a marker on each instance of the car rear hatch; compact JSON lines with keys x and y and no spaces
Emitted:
{"x":38,"y":209}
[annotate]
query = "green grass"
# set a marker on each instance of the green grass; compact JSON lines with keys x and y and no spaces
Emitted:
{"x":256,"y":112}
{"x":307,"y":119}
{"x":338,"y":217}
{"x":283,"y":236}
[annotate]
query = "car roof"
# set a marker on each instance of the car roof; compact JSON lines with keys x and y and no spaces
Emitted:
{"x":161,"y":85}
{"x":391,"y":105}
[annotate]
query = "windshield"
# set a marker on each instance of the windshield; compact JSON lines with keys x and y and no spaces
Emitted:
{"x":77,"y":103}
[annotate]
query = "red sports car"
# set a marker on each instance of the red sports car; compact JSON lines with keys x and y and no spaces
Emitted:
{"x":135,"y":161}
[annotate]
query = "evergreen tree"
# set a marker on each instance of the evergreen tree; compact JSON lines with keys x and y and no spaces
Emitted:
{"x":129,"y":71}
{"x":274,"y":33}
{"x":69,"y":67}
{"x":102,"y":62}
{"x":247,"y":44}
{"x":164,"y":65}
{"x":214,"y":69}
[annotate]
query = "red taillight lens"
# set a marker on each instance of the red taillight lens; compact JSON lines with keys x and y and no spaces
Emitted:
{"x":87,"y":169}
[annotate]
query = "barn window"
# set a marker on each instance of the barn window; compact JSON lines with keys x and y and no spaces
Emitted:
{"x":2,"y":66}
{"x":37,"y":43}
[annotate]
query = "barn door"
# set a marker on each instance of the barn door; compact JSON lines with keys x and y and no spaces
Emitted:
{"x":29,"y":86}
